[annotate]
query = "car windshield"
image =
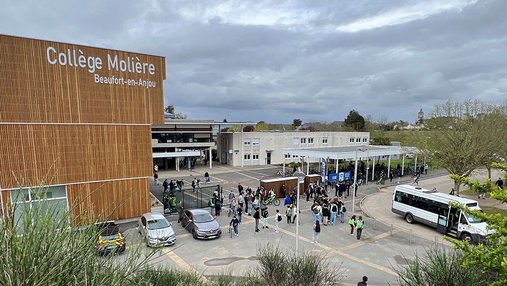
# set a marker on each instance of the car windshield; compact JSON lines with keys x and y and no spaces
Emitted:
{"x":110,"y":237}
{"x":204,"y":217}
{"x":158,"y":224}
{"x":473,"y":219}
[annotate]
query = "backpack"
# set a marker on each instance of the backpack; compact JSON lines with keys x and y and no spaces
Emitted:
{"x":264,"y":213}
{"x":344,"y":209}
{"x":210,"y":203}
{"x":334,"y":208}
{"x":315,"y":210}
{"x":279,"y":217}
{"x":317,"y":228}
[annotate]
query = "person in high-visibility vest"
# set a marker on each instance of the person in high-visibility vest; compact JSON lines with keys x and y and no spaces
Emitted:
{"x":359,"y":227}
{"x":352,"y":223}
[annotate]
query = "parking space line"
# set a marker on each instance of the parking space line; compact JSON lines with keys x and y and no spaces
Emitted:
{"x":181,"y":263}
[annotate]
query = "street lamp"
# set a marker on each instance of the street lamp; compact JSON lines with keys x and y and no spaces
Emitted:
{"x":301,"y":179}
{"x":355,"y":180}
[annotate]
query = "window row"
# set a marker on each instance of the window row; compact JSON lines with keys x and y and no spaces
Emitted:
{"x":251,"y":141}
{"x":251,"y":156}
{"x":358,"y":139}
{"x":421,"y":203}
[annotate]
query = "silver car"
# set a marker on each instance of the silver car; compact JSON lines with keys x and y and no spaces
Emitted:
{"x":201,"y":224}
{"x":156,"y":230}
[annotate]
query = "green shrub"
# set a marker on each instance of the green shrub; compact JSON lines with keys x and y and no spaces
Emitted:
{"x":439,"y":267}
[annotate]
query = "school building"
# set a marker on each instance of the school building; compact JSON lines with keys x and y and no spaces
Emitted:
{"x":75,"y":121}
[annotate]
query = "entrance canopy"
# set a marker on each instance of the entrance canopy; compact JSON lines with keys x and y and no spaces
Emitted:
{"x":350,"y":152}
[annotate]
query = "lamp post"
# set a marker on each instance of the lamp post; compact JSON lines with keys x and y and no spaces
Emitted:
{"x":355,"y":181}
{"x":301,"y":179}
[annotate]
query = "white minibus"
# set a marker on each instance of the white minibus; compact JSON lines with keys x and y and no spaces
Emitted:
{"x":432,"y":208}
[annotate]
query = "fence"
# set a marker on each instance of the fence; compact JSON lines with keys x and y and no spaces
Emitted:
{"x":190,"y":198}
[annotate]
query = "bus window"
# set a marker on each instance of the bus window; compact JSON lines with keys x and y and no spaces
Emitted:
{"x":473,"y":219}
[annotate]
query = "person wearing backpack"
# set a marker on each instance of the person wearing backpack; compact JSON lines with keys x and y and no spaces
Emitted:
{"x":278,"y":219}
{"x":343,"y":209}
{"x":316,"y":231}
{"x":264,"y":214}
{"x":352,"y":223}
{"x":211,"y":203}
{"x":334,"y":211}
{"x":359,"y":227}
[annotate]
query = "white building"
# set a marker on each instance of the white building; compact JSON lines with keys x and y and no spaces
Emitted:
{"x":266,"y":147}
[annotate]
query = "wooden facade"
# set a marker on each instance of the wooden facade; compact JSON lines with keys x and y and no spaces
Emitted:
{"x":79,"y":116}
{"x":32,"y":89}
{"x":109,"y":200}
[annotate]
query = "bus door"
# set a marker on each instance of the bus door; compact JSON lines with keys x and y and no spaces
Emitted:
{"x":443,"y":219}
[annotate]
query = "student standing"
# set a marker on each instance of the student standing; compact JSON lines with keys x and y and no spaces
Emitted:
{"x":288,"y":213}
{"x":278,"y":219}
{"x":352,"y":223}
{"x":342,"y":212}
{"x":359,"y":227}
{"x":316,"y":231}
{"x":257,"y":217}
{"x":264,"y":214}
{"x":234,"y":224}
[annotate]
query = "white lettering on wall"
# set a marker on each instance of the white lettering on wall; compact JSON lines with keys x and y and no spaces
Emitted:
{"x":78,"y":59}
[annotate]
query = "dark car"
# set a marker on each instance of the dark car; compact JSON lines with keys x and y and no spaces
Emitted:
{"x":201,"y":224}
{"x":110,"y":239}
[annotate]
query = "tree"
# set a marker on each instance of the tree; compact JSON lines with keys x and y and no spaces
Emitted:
{"x":380,"y":138}
{"x":261,"y":125}
{"x":296,"y":123}
{"x":466,"y":140}
{"x":355,"y":121}
{"x":490,"y":257}
{"x":170,"y":109}
{"x":248,"y":128}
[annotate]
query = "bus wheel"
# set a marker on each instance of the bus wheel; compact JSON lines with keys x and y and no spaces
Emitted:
{"x":409,"y":218}
{"x":466,"y":237}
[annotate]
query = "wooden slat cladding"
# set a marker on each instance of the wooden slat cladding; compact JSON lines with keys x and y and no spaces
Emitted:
{"x":34,"y":155}
{"x":109,"y":200}
{"x":32,"y":89}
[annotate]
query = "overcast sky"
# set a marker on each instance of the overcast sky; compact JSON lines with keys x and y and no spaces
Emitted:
{"x":279,"y":60}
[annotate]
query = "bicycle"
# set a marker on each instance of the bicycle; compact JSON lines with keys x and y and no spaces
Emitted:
{"x":273,"y":199}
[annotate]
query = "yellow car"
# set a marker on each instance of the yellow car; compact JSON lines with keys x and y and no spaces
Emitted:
{"x":109,"y":239}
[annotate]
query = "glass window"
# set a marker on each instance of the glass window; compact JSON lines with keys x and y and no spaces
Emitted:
{"x":256,"y":141}
{"x":246,"y":141}
{"x":247,"y":156}
{"x":358,"y":139}
{"x":255,"y":156}
{"x":310,"y":140}
{"x":287,"y":156}
{"x":365,"y":139}
{"x":351,"y":140}
{"x":303,"y":140}
{"x":324,"y":140}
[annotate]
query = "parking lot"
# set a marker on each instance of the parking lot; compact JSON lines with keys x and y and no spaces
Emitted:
{"x":382,"y":249}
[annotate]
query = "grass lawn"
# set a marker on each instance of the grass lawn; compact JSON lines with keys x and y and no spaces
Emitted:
{"x":493,"y":210}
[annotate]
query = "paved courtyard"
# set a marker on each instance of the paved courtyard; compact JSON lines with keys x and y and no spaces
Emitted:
{"x":387,"y":242}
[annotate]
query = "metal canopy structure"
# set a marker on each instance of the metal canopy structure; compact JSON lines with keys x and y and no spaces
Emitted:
{"x":350,"y":152}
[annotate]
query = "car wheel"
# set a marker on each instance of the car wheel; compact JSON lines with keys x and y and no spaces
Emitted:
{"x":466,"y":237}
{"x":194,"y":234}
{"x":409,"y":218}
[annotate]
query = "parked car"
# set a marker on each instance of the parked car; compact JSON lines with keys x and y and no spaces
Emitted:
{"x":201,"y":224}
{"x":156,"y":230}
{"x":109,"y":239}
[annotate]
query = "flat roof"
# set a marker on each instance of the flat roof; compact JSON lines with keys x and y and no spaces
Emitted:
{"x":350,"y":151}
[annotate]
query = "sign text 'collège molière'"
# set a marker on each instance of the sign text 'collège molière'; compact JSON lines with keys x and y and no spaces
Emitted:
{"x":132,"y":65}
